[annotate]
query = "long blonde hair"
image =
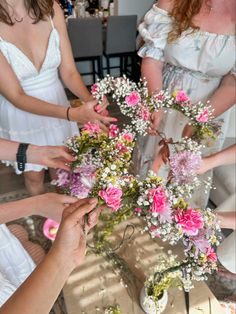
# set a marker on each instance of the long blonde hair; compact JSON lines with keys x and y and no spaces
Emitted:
{"x":183,"y":12}
{"x":37,"y":9}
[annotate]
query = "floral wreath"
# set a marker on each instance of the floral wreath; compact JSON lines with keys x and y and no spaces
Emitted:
{"x":102,"y":167}
{"x":135,"y":102}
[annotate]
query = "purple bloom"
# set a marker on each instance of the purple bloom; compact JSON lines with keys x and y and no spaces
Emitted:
{"x":184,"y":165}
{"x":79,"y":183}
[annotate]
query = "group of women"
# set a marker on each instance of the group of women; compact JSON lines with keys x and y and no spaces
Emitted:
{"x":188,"y":45}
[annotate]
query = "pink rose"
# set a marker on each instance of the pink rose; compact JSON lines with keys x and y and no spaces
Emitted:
{"x":50,"y":228}
{"x":94,"y":88}
{"x":190,"y":220}
{"x":113,"y":130}
{"x":133,"y":99}
{"x":127,"y":137}
{"x":211,"y":255}
{"x":121,"y":147}
{"x":112,"y":197}
{"x":203,"y":116}
{"x":91,"y":128}
{"x":181,"y":96}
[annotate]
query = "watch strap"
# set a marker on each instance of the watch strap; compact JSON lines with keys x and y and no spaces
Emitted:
{"x":21,"y":156}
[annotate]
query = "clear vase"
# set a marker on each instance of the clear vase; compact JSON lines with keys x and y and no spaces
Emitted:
{"x":150,"y":306}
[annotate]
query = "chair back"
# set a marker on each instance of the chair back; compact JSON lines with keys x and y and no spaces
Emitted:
{"x":121,"y":34}
{"x":86,"y":37}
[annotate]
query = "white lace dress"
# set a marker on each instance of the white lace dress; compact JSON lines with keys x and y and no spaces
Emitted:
{"x":22,"y":126}
{"x":195,"y":63}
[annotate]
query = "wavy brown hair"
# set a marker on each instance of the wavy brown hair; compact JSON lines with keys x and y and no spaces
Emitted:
{"x":183,"y":12}
{"x":37,"y":9}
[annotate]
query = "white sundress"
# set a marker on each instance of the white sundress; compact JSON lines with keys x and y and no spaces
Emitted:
{"x":22,"y":126}
{"x":15,"y":263}
{"x":196,"y":63}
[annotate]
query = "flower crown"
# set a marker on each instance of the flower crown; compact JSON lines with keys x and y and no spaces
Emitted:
{"x":102,"y":169}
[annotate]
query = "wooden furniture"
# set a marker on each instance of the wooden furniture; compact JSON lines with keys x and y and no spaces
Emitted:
{"x":95,"y":285}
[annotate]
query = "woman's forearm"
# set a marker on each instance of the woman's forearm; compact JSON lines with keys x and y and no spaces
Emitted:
{"x":18,"y":209}
{"x":224,"y":157}
{"x":39,"y":107}
{"x":75,"y":84}
{"x":225,"y":96}
{"x":39,"y":292}
{"x":152,"y":71}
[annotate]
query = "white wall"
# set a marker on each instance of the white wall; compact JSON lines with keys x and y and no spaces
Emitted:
{"x":139,"y":7}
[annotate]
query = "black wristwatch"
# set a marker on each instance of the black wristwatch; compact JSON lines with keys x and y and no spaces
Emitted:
{"x":21,"y":156}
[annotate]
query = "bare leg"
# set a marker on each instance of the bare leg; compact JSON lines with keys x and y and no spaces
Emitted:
{"x":34,"y":182}
{"x":52,"y":173}
{"x":35,"y":250}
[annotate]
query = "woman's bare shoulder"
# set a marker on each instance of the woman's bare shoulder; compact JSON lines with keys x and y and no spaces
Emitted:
{"x":166,"y":5}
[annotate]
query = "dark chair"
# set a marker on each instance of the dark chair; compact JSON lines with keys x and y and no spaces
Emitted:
{"x":87,"y":43}
{"x":120,"y":41}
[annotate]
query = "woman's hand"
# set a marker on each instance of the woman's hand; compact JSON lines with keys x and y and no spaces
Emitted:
{"x":86,"y":113}
{"x":71,"y":236}
{"x":51,"y":205}
{"x":156,"y":118}
{"x":51,"y":156}
{"x":187,"y":131}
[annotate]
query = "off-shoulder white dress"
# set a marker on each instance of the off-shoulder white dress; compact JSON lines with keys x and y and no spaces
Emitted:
{"x":196,"y":63}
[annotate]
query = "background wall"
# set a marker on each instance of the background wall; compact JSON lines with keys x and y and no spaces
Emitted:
{"x":126,"y":7}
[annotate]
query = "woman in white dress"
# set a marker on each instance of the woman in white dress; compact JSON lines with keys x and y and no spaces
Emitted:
{"x":34,"y":46}
{"x":188,"y":45}
{"x":15,"y":262}
{"x":40,"y":290}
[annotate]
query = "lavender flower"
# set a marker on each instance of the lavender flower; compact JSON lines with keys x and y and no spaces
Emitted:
{"x":184,"y":166}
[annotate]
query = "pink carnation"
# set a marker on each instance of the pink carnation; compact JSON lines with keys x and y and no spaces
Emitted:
{"x":138,"y":210}
{"x":127,"y":137}
{"x":160,"y":204}
{"x":121,"y":147}
{"x":181,"y":96}
{"x":91,"y":128}
{"x":203,"y":116}
{"x":159,"y":97}
{"x":133,"y":99}
{"x":190,"y":220}
{"x":94,"y":88}
{"x":112,"y":197}
{"x":211,"y":255}
{"x":50,"y":228}
{"x":113,"y":130}
{"x":144,"y":114}
{"x":159,"y":200}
